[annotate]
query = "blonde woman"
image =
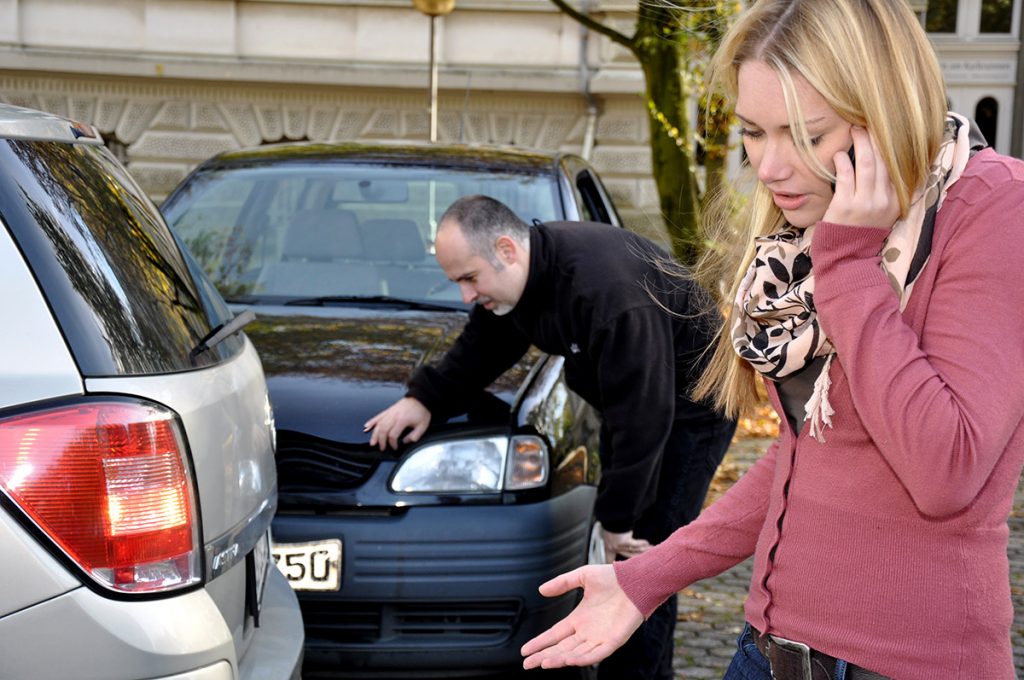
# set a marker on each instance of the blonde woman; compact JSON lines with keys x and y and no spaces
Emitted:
{"x":880,"y":299}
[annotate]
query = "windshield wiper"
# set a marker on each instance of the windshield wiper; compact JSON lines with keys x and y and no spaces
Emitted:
{"x":375,"y":300}
{"x":222,"y":332}
{"x":242,"y":299}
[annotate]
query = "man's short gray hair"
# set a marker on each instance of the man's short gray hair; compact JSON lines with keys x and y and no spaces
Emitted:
{"x":482,"y":220}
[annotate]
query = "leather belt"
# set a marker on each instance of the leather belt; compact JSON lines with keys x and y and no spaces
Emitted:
{"x":791,"y":660}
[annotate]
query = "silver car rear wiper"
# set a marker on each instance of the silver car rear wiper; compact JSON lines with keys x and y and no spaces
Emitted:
{"x":223,"y":332}
{"x":376,"y":300}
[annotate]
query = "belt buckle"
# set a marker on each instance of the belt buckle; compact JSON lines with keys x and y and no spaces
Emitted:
{"x":792,"y":646}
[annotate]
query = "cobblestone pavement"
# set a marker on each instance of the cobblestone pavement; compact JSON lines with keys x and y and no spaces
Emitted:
{"x":711,"y":611}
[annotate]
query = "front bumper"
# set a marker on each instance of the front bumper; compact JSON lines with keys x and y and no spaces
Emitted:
{"x":450,"y":589}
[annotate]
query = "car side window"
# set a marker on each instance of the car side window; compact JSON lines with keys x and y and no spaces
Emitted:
{"x":592,"y":202}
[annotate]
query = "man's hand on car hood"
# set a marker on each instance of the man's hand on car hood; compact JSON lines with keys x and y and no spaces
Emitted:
{"x":387,"y":426}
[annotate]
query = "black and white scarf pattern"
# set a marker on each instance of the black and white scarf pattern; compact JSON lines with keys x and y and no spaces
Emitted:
{"x":775,"y":325}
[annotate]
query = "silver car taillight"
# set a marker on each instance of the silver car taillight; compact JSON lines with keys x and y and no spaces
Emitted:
{"x":108,"y":481}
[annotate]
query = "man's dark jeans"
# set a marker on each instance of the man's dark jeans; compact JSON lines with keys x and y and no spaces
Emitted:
{"x":690,"y":460}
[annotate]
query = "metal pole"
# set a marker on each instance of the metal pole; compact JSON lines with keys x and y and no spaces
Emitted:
{"x":433,"y":78}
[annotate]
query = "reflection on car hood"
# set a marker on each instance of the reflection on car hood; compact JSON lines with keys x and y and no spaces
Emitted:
{"x":330,"y":369}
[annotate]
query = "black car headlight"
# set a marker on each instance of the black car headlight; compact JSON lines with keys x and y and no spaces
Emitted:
{"x":479,"y":465}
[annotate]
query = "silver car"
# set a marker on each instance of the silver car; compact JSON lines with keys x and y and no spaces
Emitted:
{"x":137,"y":479}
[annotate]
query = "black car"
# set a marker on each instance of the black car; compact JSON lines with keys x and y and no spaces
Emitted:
{"x":423,"y":562}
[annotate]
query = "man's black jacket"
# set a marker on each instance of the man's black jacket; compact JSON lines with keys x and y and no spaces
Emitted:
{"x":597,"y":295}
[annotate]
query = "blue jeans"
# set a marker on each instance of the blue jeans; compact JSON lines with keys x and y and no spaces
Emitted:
{"x":688,"y":464}
{"x":750,"y":664}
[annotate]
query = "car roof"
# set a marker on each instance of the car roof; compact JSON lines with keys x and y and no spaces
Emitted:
{"x":400,"y":153}
{"x":17,"y":122}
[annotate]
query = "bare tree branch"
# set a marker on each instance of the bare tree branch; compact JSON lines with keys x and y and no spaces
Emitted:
{"x":594,"y":24}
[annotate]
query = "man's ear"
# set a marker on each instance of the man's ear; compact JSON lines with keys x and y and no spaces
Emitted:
{"x":506,"y":249}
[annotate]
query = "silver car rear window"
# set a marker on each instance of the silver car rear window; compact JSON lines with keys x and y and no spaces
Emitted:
{"x":126,"y":298}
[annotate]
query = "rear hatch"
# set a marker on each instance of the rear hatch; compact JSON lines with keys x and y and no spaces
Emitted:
{"x":134,"y":311}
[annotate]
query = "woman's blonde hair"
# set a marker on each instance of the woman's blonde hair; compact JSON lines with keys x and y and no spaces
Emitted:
{"x":872,"y":62}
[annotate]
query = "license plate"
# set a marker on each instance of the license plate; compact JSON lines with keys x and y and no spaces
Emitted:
{"x":310,"y":566}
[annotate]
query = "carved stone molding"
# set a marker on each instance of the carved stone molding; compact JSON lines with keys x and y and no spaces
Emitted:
{"x":163,"y":130}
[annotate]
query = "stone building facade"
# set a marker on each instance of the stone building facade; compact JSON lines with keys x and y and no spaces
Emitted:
{"x":172,"y":82}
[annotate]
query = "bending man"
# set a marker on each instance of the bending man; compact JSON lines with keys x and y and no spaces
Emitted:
{"x":633,"y":328}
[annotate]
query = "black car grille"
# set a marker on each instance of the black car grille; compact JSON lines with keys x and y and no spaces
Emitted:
{"x":457,"y":623}
{"x":306,"y":463}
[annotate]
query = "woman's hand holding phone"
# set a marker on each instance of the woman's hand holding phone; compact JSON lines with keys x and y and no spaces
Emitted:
{"x":863,"y":196}
{"x":853,"y":162}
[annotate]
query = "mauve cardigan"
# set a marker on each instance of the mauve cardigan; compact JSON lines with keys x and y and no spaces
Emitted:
{"x":892,"y":548}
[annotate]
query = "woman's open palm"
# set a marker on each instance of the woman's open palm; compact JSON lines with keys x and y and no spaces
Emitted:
{"x":602,"y":621}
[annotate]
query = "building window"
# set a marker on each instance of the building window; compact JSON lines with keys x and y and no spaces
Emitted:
{"x":941,"y":16}
{"x":986,"y":115}
{"x":919,"y":8}
{"x":996,"y":16}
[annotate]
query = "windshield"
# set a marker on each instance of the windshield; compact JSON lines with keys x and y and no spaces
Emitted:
{"x":336,"y":230}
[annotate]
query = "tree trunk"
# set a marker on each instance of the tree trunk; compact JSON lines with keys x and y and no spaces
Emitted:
{"x":659,"y":56}
{"x":664,"y":45}
{"x":716,"y":126}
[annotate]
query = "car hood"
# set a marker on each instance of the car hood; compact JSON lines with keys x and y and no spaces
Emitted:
{"x":329,"y":370}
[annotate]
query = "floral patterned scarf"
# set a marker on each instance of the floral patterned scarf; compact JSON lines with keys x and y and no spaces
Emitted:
{"x":775,"y":325}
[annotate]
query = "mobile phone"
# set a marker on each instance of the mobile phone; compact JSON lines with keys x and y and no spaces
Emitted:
{"x":853,"y":161}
